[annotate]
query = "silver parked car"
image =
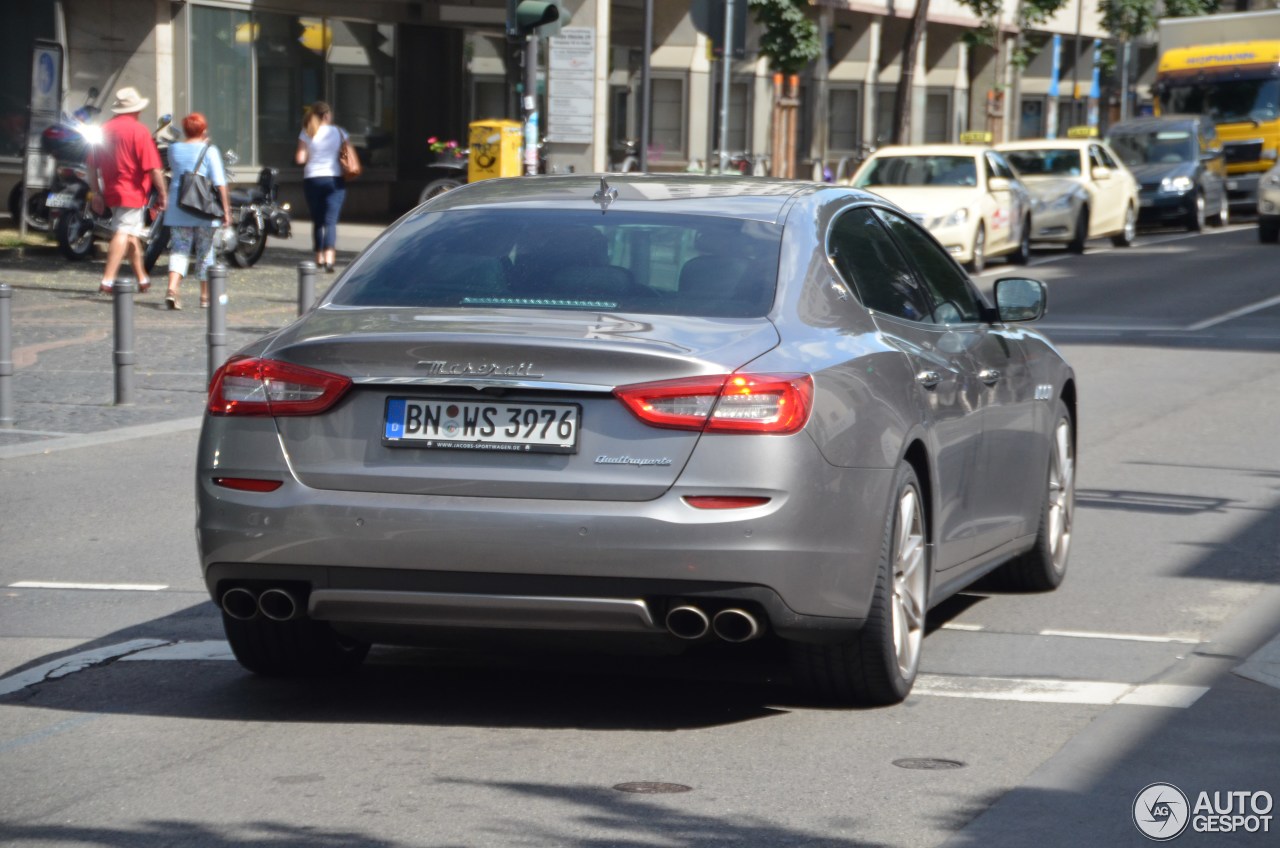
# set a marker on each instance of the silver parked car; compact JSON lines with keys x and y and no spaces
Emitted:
{"x":685,"y":408}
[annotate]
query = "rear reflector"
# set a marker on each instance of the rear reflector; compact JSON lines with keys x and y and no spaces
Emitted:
{"x":723,"y":502}
{"x":247,"y":386}
{"x":730,"y":403}
{"x":248,"y":484}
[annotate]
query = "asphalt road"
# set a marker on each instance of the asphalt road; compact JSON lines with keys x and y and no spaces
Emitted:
{"x":1037,"y":718}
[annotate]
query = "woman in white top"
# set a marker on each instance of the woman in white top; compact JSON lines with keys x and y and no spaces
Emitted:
{"x":322,"y":183}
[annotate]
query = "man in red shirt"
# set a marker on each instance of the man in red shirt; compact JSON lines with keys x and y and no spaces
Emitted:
{"x":129,"y":164}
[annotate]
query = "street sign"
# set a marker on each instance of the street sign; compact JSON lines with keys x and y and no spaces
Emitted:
{"x":571,"y":101}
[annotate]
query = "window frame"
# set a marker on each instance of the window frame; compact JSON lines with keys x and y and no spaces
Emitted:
{"x":857,"y":91}
{"x":669,"y":155}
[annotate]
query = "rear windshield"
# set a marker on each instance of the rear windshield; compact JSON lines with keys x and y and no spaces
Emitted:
{"x":666,"y":264}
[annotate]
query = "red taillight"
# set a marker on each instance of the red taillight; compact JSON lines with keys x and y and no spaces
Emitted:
{"x":248,"y":484}
{"x":723,"y":501}
{"x":248,"y":386}
{"x":732,"y":403}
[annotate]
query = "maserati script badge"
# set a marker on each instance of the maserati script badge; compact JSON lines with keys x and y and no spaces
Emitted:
{"x":442,"y":368}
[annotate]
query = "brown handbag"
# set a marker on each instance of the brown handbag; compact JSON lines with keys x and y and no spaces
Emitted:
{"x":349,"y":160}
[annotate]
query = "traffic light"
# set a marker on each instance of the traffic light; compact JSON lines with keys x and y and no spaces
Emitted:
{"x":525,"y":16}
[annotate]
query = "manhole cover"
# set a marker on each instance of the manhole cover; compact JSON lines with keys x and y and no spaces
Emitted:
{"x":647,"y":787}
{"x":928,"y":764}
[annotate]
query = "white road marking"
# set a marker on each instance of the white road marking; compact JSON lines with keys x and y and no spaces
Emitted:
{"x":968,"y":628}
{"x":1123,"y":637}
{"x":1235,"y":313}
{"x":106,"y":437}
{"x":55,"y":669}
{"x":1057,"y":691}
{"x":1263,"y":666}
{"x":113,"y":587}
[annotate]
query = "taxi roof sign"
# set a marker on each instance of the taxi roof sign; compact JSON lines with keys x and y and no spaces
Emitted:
{"x":976,"y":137}
{"x":1082,"y":132}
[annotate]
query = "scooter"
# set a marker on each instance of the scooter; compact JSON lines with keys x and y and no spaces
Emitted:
{"x":76,"y":225}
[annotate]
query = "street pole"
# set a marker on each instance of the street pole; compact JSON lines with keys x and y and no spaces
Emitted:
{"x":646,"y":89}
{"x":122,"y":299}
{"x":1124,"y":81}
{"x":217,"y":332}
{"x":306,"y":285}
{"x":727,"y":59}
{"x":1075,"y":65}
{"x":531,"y":105}
{"x":6,"y":357}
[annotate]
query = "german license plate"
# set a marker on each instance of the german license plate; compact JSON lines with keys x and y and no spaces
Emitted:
{"x":60,"y":200}
{"x":506,"y":427}
{"x":1144,"y":202}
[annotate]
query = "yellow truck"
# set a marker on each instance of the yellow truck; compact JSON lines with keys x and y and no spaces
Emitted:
{"x":1226,"y":67}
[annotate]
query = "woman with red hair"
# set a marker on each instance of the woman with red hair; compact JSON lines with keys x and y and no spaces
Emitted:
{"x":191,"y":233}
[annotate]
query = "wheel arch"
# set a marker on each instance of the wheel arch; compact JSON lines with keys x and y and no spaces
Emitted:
{"x":1069,"y":398}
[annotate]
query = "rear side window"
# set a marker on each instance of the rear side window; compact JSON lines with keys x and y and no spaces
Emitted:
{"x":870,"y":262}
{"x":666,"y":264}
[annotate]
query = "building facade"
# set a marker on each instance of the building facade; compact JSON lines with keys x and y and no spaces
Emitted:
{"x":398,"y":72}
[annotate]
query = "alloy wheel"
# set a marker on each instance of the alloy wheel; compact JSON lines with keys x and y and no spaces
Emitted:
{"x":1061,"y":494}
{"x":909,"y":582}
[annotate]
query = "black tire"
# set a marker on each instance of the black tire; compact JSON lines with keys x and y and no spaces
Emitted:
{"x":1269,"y":232}
{"x":250,"y":243}
{"x":867,"y":669}
{"x":302,"y":647}
{"x":439,"y":187}
{"x":37,"y":209}
{"x":1125,"y":237}
{"x":1022,"y":255}
{"x":1195,"y":214}
{"x":1042,"y":568}
{"x":157,"y":244}
{"x":979,"y":260}
{"x":1081,"y":236}
{"x":74,"y":233}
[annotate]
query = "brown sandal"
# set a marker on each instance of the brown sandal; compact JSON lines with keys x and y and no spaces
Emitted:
{"x":171,"y":301}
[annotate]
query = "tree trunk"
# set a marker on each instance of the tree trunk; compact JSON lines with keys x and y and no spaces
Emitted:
{"x":910,"y":47}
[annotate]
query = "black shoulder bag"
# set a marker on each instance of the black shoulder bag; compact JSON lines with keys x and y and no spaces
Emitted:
{"x":197,"y":193}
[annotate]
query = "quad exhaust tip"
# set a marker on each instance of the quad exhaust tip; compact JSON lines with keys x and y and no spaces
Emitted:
{"x":688,"y":622}
{"x":276,"y":604}
{"x":736,"y":625}
{"x":240,"y":603}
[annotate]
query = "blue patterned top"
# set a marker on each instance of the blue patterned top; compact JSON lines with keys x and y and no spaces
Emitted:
{"x":182,"y":160}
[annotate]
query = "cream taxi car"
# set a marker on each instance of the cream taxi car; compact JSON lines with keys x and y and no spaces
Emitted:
{"x":1080,"y":190}
{"x":966,"y":195}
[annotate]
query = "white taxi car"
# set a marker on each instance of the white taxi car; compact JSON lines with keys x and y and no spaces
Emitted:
{"x":966,"y":195}
{"x":1055,"y":169}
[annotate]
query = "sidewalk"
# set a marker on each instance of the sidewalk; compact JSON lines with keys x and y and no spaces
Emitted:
{"x":64,"y":378}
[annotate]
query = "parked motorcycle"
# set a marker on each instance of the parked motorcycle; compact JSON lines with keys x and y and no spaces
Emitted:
{"x":256,"y":213}
{"x":67,"y":141}
{"x":76,"y":225}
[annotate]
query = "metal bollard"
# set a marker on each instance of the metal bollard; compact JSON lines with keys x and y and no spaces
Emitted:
{"x":306,"y":286}
{"x":122,"y":307}
{"x":217,"y":334}
{"x":6,"y":357}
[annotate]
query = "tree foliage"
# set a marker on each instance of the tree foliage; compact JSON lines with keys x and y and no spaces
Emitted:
{"x":789,"y":39}
{"x":1030,"y":15}
{"x":1130,"y":19}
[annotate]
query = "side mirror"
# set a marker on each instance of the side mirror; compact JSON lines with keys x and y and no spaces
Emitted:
{"x":1211,"y":154}
{"x":1019,"y":299}
{"x":165,"y":120}
{"x":999,"y":184}
{"x":230,"y":157}
{"x":1100,"y":173}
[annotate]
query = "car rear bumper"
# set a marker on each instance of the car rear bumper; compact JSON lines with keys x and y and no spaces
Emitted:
{"x":807,"y":559}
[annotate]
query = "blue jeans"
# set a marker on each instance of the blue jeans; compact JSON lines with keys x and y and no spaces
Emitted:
{"x":324,"y":197}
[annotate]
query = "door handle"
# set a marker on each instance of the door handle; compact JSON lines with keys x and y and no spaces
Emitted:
{"x":928,"y":379}
{"x":990,"y":376}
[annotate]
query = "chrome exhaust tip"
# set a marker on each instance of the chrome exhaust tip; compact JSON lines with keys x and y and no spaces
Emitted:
{"x":278,"y":605}
{"x":688,"y":622}
{"x":736,"y":625}
{"x":240,"y":603}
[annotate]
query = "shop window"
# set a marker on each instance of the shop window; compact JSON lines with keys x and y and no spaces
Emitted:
{"x":254,"y":73}
{"x":844,"y":116}
{"x":667,"y":118}
{"x":26,"y":21}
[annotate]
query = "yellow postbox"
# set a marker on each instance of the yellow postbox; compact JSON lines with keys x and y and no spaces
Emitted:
{"x":496,"y":146}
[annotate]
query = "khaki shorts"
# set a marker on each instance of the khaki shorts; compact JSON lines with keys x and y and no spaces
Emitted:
{"x":130,"y":221}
